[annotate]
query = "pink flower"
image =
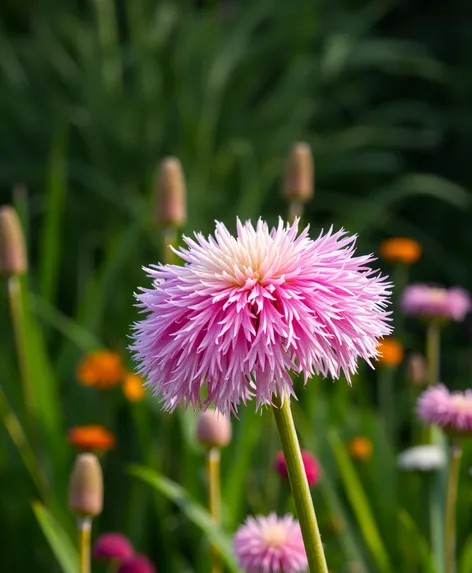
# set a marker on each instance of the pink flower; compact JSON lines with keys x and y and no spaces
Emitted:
{"x":270,"y":544}
{"x":450,"y":410}
{"x":114,"y":546}
{"x":435,"y":302}
{"x":243,"y":311}
{"x":137,"y":564}
{"x":312,"y":467}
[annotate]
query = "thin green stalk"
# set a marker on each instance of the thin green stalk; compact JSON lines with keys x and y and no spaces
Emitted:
{"x":18,"y":437}
{"x":387,"y":402}
{"x":433,"y":349}
{"x":109,"y":43}
{"x":400,"y":280}
{"x":451,"y":501}
{"x":169,"y":238}
{"x":299,"y":485}
{"x":436,"y":518}
{"x":84,"y":528}
{"x":214,"y":499}
{"x":17,"y":318}
{"x":295,"y":209}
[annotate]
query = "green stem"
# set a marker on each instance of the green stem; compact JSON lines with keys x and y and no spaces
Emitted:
{"x":169,"y":238}
{"x":450,"y":530}
{"x":17,"y":318}
{"x":433,"y":348}
{"x":295,"y":209}
{"x":400,"y":280}
{"x":19,"y":438}
{"x":436,"y":518}
{"x":84,"y":528}
{"x":214,"y":499}
{"x":387,"y":402}
{"x":299,"y":485}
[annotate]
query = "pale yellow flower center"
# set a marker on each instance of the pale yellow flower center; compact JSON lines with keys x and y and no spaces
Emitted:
{"x":275,"y":535}
{"x":461,"y":402}
{"x":437,"y":294}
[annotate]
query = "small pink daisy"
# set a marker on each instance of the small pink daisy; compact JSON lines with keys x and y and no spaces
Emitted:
{"x":270,"y":544}
{"x":310,"y":463}
{"x":244,"y":311}
{"x":434,"y":302}
{"x":450,"y":410}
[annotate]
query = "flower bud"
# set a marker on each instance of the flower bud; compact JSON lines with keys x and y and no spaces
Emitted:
{"x":213,"y":429}
{"x":12,"y":243}
{"x":171,"y":208}
{"x":299,"y":174}
{"x":86,"y":486}
{"x":416,"y":369}
{"x":310,"y":463}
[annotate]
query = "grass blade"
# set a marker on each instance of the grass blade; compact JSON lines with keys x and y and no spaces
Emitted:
{"x":195,"y":512}
{"x":51,"y":242}
{"x":360,"y":503}
{"x":59,"y":542}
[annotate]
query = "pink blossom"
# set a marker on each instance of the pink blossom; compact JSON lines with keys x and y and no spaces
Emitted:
{"x":310,"y":463}
{"x":435,"y":302}
{"x":450,"y":410}
{"x":270,"y":544}
{"x":137,"y":564}
{"x":114,"y":546}
{"x":244,"y":311}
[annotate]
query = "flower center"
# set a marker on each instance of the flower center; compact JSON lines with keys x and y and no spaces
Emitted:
{"x":438,"y":294}
{"x":275,"y":535}
{"x":461,"y":402}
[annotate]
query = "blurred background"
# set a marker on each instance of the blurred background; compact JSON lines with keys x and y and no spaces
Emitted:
{"x":94,"y":93}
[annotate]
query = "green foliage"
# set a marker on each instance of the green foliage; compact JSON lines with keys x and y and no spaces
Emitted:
{"x":93,"y":95}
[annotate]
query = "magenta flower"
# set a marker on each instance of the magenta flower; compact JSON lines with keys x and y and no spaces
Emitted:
{"x":450,"y":410}
{"x":112,"y":546}
{"x":137,"y":564}
{"x":310,"y":463}
{"x":270,"y":544}
{"x":243,"y":311}
{"x":434,"y":302}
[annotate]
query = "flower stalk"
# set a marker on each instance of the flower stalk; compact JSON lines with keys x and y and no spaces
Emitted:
{"x":299,"y":485}
{"x":451,"y":501}
{"x":84,"y":529}
{"x":214,"y":499}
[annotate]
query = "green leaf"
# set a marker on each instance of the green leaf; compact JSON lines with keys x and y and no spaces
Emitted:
{"x":196,"y":513}
{"x":51,"y":241}
{"x":359,"y":502}
{"x":418,"y":541}
{"x":59,"y":542}
{"x":465,"y":560}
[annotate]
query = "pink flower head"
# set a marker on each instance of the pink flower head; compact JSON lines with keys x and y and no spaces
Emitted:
{"x":434,"y":302}
{"x":312,"y":467}
{"x":450,"y":410}
{"x":243,"y":311}
{"x":270,"y":544}
{"x":114,"y":546}
{"x":137,"y":564}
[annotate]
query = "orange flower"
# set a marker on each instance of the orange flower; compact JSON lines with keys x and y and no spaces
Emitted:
{"x":133,"y":387}
{"x":400,"y":250}
{"x":102,"y":369}
{"x":391,"y":352}
{"x":360,"y":448}
{"x":91,"y":438}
